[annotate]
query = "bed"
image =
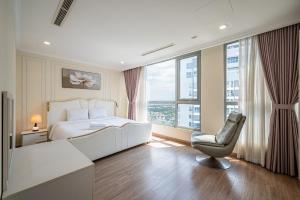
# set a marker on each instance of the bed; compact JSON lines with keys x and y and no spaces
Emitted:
{"x":95,"y":137}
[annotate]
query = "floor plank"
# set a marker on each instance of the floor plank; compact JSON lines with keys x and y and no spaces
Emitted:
{"x":164,"y":169}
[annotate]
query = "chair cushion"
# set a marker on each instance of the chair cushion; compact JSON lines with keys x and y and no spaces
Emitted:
{"x":204,"y":139}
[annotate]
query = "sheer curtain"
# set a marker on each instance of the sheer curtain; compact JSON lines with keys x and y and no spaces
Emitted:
{"x":255,"y":104}
{"x":141,"y":99}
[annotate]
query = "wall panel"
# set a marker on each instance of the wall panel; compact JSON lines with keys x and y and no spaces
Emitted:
{"x":39,"y":81}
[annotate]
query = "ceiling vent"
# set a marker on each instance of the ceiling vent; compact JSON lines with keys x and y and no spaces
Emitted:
{"x":62,"y":11}
{"x":158,"y":49}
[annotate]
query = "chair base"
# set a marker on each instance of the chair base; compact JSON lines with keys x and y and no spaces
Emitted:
{"x":218,"y":163}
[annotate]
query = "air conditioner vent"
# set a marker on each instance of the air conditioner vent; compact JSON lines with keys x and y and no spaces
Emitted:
{"x":63,"y":9}
{"x":158,"y":49}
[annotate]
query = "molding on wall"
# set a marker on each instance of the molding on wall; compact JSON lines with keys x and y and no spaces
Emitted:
{"x":62,"y":59}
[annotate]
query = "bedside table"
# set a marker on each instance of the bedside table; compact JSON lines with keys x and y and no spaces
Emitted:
{"x":34,"y":137}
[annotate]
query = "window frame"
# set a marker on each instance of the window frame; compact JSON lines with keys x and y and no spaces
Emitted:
{"x":225,"y":80}
{"x":177,"y":100}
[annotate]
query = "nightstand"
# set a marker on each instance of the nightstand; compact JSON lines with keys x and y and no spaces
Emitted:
{"x":34,"y":137}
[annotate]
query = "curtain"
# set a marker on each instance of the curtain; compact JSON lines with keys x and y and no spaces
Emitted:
{"x":298,"y":113}
{"x":141,"y":99}
{"x":254,"y":103}
{"x":279,"y":54}
{"x":132,"y":83}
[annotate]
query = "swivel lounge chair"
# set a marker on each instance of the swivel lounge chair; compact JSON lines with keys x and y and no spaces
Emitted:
{"x":220,"y":145}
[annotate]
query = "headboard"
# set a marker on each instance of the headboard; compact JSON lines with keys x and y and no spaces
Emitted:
{"x":57,"y":110}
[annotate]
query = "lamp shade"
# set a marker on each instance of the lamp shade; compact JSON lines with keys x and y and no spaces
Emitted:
{"x":36,"y":119}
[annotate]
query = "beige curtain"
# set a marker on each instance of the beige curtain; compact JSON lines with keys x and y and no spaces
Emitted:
{"x":255,"y":104}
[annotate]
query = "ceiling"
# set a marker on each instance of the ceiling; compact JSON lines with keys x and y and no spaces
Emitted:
{"x":105,"y":32}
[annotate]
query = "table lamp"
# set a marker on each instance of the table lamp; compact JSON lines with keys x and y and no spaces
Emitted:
{"x":36,"y":119}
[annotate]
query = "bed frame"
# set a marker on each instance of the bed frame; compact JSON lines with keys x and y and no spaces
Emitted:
{"x":105,"y":141}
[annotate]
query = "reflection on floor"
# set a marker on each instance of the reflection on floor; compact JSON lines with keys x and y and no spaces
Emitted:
{"x":163,"y":143}
{"x":165,"y":169}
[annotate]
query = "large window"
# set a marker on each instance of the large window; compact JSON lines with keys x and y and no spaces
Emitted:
{"x":232,"y":89}
{"x":173,"y":92}
{"x":161,"y":92}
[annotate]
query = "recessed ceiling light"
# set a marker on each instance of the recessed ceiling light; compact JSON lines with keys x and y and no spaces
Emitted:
{"x":47,"y":43}
{"x":122,"y":62}
{"x":222,"y":27}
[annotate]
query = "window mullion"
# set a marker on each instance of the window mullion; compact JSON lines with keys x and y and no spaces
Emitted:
{"x":176,"y":90}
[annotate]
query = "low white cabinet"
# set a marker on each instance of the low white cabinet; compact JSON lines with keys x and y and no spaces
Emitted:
{"x":48,"y":171}
{"x":34,"y":137}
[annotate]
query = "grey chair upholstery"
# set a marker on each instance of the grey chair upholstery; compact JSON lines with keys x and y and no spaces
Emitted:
{"x":219,"y":145}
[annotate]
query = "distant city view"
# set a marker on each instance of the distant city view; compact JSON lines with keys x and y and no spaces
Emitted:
{"x":161,"y":112}
{"x":161,"y":83}
{"x":161,"y":86}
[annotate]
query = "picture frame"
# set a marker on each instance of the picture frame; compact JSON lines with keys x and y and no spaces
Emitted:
{"x":77,"y":79}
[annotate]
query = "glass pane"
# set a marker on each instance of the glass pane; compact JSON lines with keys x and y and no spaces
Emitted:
{"x":161,"y":92}
{"x":161,"y":112}
{"x":189,"y":116}
{"x":232,"y":72}
{"x":231,"y":108}
{"x":188,"y":78}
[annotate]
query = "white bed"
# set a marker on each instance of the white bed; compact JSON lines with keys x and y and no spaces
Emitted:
{"x":99,"y":137}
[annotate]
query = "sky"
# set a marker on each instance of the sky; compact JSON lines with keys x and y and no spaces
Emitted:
{"x":161,"y":78}
{"x":161,"y":81}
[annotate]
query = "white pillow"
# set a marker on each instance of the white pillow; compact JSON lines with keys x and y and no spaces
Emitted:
{"x":77,"y":114}
{"x":97,"y":112}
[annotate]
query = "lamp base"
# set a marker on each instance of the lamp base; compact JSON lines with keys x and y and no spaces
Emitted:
{"x":35,"y":128}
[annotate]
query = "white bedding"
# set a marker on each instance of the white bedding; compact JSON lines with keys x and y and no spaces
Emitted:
{"x":70,"y":129}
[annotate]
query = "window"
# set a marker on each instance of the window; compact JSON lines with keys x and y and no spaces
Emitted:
{"x":189,"y":116}
{"x":188,"y":95}
{"x":188,"y":78}
{"x":172,"y":92}
{"x":161,"y":92}
{"x":232,"y":90}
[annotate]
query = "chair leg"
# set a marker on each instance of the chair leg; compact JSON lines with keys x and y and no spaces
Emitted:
{"x":219,"y":163}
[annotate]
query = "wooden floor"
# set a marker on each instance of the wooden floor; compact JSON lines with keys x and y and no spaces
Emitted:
{"x":168,"y":170}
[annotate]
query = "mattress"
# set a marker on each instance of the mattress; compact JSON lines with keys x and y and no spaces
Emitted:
{"x":71,"y":129}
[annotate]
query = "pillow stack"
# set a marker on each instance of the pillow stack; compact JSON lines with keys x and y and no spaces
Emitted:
{"x":75,"y":114}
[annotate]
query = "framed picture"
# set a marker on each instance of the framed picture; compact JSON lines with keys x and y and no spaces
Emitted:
{"x":80,"y":79}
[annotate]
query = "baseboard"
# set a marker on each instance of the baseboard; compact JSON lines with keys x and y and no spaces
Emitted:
{"x":184,"y":142}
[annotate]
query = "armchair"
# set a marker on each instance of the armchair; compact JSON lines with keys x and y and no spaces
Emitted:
{"x":220,"y":145}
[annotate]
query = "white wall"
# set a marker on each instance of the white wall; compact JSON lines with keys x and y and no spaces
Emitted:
{"x":39,"y":80}
{"x":7,"y":55}
{"x":212,"y":96}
